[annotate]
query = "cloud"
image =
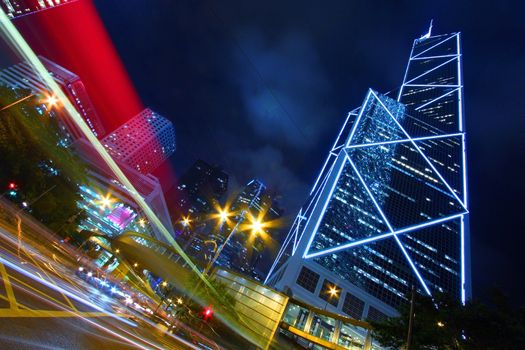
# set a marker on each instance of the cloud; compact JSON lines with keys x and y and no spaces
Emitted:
{"x":283,"y":87}
{"x":268,"y":165}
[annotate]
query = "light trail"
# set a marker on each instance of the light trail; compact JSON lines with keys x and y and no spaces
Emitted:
{"x":22,"y":48}
{"x":19,"y":234}
{"x":18,"y":43}
{"x":77,"y":298}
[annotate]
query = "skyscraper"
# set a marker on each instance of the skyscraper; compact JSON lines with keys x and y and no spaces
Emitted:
{"x":17,"y":8}
{"x":144,"y":142}
{"x":21,"y":75}
{"x":389,"y":209}
{"x":198,"y":188}
{"x":244,"y":251}
{"x":107,"y":204}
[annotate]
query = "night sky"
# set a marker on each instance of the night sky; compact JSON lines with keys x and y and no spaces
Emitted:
{"x":262,"y":88}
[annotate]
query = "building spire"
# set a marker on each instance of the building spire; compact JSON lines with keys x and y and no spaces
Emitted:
{"x":429,"y":33}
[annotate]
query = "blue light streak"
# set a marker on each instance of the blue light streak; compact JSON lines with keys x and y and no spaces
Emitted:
{"x":437,"y":99}
{"x":433,"y":85}
{"x":431,"y":70}
{"x":383,"y":236}
{"x":423,"y":138}
{"x":431,"y":57}
{"x":332,"y":189}
{"x":463,"y":278}
{"x":430,"y":48}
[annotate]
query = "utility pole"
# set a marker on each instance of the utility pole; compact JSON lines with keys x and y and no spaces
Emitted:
{"x":411,"y":318}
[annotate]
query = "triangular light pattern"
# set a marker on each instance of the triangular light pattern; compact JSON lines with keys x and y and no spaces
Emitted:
{"x":389,"y":209}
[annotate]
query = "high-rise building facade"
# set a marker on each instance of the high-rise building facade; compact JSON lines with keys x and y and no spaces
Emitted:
{"x":17,"y":8}
{"x":143,"y":143}
{"x":21,"y":75}
{"x":244,"y":251}
{"x":389,"y":209}
{"x":108,"y":206}
{"x":198,"y":188}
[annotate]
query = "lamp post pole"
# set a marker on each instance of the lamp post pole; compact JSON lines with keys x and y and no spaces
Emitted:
{"x":218,"y":252}
{"x":411,"y":318}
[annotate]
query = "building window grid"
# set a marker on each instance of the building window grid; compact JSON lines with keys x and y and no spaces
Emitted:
{"x":353,"y":306}
{"x":308,"y":279}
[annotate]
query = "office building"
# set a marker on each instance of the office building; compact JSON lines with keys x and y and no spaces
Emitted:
{"x":143,"y":142}
{"x":198,"y":189}
{"x":21,"y":75}
{"x":244,"y":251}
{"x":389,"y":209}
{"x":108,"y":205}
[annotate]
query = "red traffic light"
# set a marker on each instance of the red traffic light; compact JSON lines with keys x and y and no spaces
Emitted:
{"x":208,"y":312}
{"x":12,"y":185}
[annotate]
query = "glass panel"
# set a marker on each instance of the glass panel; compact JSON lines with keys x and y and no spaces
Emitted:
{"x":296,"y":316}
{"x":351,"y":337}
{"x":322,"y":327}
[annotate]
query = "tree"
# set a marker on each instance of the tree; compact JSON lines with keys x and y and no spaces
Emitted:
{"x":443,"y":323}
{"x":35,"y":158}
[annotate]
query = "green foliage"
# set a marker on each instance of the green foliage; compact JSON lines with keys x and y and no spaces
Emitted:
{"x":46,"y":173}
{"x":443,"y":323}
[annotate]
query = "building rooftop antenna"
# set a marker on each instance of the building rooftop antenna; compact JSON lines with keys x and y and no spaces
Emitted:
{"x":429,"y":33}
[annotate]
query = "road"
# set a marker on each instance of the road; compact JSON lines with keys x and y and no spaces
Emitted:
{"x":44,"y":305}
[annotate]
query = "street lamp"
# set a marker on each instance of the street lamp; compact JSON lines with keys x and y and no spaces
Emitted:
{"x":186,"y":221}
{"x":50,"y":101}
{"x":106,"y":202}
{"x":224,"y":214}
{"x":256,"y":226}
{"x":333,"y":291}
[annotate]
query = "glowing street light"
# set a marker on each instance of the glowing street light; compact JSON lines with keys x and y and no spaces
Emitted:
{"x":142,"y":222}
{"x":440,"y":324}
{"x":136,"y":265}
{"x":105,"y":202}
{"x":179,"y":301}
{"x":333,"y":291}
{"x":224,"y":214}
{"x":186,"y":221}
{"x":164,"y":284}
{"x":51,"y":101}
{"x":256,"y":226}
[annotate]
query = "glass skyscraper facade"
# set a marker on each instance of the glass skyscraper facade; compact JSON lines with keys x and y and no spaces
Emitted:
{"x":144,"y":142}
{"x":389,"y":209}
{"x":21,"y":75}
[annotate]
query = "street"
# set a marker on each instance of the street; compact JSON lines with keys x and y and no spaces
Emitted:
{"x":44,"y":305}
